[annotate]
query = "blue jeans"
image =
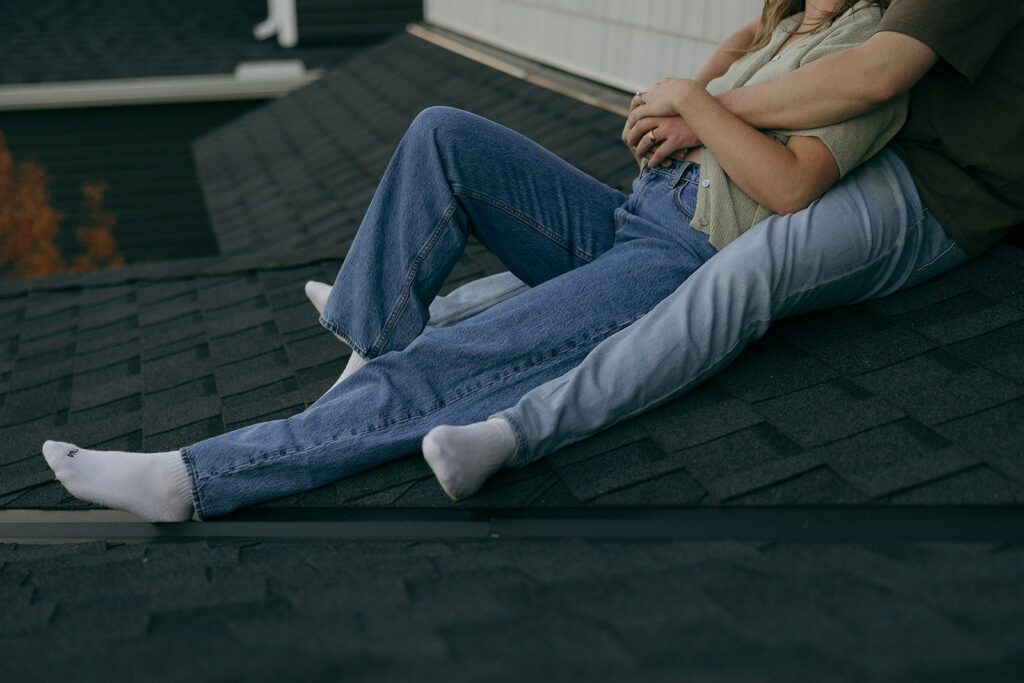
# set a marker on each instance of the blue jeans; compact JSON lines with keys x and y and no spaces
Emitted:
{"x":869,"y":236}
{"x":596,"y":261}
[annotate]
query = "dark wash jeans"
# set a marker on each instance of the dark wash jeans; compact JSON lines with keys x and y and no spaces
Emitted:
{"x":596,"y":260}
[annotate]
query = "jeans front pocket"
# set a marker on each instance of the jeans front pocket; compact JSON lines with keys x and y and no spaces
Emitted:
{"x":685,"y":196}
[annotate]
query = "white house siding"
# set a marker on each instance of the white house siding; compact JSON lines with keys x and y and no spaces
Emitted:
{"x":624,"y":43}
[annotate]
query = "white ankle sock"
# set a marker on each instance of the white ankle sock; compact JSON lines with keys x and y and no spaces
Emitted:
{"x":355,"y":361}
{"x":154,"y":486}
{"x":463,"y":458}
{"x":317,"y":292}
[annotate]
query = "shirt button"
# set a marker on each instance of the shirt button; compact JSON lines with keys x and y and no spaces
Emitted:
{"x":775,"y":58}
{"x":703,"y":221}
{"x":705,"y":183}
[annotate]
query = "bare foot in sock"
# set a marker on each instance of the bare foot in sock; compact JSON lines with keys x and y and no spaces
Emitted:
{"x":154,"y":486}
{"x":317,"y":293}
{"x":355,"y":361}
{"x":463,"y":458}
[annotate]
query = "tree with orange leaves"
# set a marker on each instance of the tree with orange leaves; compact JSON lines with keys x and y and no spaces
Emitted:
{"x":97,"y":236}
{"x":29,"y":225}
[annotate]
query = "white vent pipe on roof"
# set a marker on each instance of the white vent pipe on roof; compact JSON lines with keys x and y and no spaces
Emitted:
{"x":281,"y":20}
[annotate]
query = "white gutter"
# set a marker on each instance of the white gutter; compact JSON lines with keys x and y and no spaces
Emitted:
{"x":251,"y":80}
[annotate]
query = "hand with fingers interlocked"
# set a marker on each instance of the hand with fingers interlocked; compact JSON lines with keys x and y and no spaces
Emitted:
{"x":658,"y":138}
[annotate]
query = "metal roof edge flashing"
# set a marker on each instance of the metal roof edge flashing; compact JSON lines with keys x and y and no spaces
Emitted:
{"x":251,"y":80}
{"x":972,"y":524}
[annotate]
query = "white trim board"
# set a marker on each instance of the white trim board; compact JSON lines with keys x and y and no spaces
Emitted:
{"x":251,"y":80}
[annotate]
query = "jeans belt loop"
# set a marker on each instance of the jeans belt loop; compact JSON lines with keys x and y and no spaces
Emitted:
{"x":677,"y":175}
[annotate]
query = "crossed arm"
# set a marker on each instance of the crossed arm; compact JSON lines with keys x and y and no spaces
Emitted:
{"x":834,"y":88}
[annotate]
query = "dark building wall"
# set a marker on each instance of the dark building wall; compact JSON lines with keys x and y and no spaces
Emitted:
{"x":143,"y":154}
{"x":347,"y":21}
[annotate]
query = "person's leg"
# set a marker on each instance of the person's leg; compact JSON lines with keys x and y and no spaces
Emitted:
{"x":454,"y":175}
{"x":869,"y":236}
{"x":384,"y":411}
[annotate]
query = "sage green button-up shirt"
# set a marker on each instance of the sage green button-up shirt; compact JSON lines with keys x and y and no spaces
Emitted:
{"x":723,"y":210}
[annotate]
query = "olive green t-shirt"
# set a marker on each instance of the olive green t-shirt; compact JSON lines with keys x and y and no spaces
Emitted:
{"x":964,"y":137}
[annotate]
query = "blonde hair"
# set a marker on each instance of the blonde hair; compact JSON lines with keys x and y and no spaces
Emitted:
{"x":775,"y":11}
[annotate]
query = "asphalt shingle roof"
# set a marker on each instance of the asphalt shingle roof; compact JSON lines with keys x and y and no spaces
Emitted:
{"x":909,"y":400}
{"x":301,"y":171}
{"x":914,"y":400}
{"x":531,"y":610}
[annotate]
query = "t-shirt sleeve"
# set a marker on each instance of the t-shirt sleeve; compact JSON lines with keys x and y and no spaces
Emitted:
{"x":964,"y":33}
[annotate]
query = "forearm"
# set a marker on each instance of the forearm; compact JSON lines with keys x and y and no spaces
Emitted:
{"x":772,"y":174}
{"x":834,"y":88}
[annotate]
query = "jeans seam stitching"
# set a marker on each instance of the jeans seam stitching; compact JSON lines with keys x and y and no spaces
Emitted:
{"x":197,"y":502}
{"x":334,"y":329}
{"x":339,"y":438}
{"x":677,"y":197}
{"x":526,"y":220}
{"x":949,"y":247}
{"x":410,"y":278}
{"x":521,"y":441}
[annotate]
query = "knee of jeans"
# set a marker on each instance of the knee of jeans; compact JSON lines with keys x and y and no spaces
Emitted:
{"x":434,"y":120}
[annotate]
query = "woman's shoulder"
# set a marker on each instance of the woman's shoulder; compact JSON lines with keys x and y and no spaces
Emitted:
{"x":851,"y":28}
{"x":863,"y":17}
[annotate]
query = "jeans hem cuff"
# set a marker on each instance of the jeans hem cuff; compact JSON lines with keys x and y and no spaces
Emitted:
{"x":197,"y":503}
{"x":519,"y":458}
{"x":345,"y":337}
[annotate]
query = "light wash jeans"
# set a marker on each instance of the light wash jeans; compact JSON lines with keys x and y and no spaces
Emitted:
{"x":869,"y":236}
{"x":596,"y":261}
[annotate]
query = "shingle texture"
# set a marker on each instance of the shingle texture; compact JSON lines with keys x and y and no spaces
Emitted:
{"x":915,"y":399}
{"x":524,"y":610}
{"x":300,"y":172}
